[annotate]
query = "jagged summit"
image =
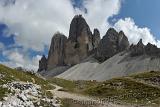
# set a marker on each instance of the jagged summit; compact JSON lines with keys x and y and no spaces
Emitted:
{"x":43,"y":63}
{"x":72,"y":50}
{"x":77,"y":27}
{"x":96,"y":38}
{"x":57,"y":51}
{"x":103,"y":55}
{"x":112,"y":43}
{"x":79,"y":42}
{"x":141,"y":49}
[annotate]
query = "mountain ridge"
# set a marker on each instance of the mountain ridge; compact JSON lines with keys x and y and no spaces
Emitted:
{"x":82,"y":47}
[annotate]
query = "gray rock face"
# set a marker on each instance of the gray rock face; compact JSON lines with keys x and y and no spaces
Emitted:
{"x":43,"y":64}
{"x":96,"y":38}
{"x":78,"y":27}
{"x":141,"y":49}
{"x":119,"y":65}
{"x":152,"y":50}
{"x":79,"y":42}
{"x":138,"y":49}
{"x":57,"y":51}
{"x":112,"y":43}
{"x":122,"y":42}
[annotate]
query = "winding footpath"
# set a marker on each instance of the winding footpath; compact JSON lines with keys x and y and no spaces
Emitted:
{"x":81,"y":99}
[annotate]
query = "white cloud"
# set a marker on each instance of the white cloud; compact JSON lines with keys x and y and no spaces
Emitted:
{"x":34,"y":22}
{"x":1,"y":46}
{"x":16,"y":58}
{"x":135,"y":33}
{"x":99,"y":11}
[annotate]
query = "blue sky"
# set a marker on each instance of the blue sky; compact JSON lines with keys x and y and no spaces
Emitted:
{"x":25,"y":30}
{"x":144,"y":12}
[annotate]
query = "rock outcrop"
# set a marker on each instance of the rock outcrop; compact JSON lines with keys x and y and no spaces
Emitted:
{"x":96,"y":38}
{"x":123,"y":42}
{"x":79,"y":42}
{"x":71,"y":51}
{"x":138,"y":49}
{"x":82,"y":54}
{"x":42,"y":64}
{"x":141,"y":49}
{"x":112,"y":43}
{"x":57,"y":51}
{"x":152,"y":50}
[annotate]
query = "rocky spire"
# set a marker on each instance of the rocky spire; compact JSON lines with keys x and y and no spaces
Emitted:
{"x":138,"y":49}
{"x":122,"y":41}
{"x":152,"y":50}
{"x":79,"y":42}
{"x":43,"y":64}
{"x":96,"y":38}
{"x":56,"y":52}
{"x":78,"y":27}
{"x":112,"y":43}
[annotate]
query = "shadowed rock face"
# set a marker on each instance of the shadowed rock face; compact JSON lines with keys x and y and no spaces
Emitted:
{"x":123,"y":42}
{"x":79,"y":42}
{"x":141,"y":49}
{"x":112,"y":43}
{"x":138,"y":49}
{"x":57,"y":51}
{"x":43,"y":64}
{"x":96,"y":38}
{"x":76,"y":48}
{"x":152,"y":50}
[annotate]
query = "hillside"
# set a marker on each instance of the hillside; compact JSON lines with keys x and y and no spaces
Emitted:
{"x":121,"y":64}
{"x":83,"y":55}
{"x":141,"y":89}
{"x":18,"y":88}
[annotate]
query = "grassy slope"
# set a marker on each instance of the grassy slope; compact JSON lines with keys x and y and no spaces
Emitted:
{"x":124,"y":89}
{"x":128,"y":90}
{"x":73,"y":86}
{"x":13,"y":75}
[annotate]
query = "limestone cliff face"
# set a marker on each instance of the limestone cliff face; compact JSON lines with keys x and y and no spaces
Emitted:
{"x":43,"y":64}
{"x":138,"y":49}
{"x":112,"y":43}
{"x":79,"y":42}
{"x":96,"y":38}
{"x":123,"y":42}
{"x":141,"y":49}
{"x":57,"y":51}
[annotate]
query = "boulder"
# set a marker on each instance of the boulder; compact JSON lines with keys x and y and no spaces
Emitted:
{"x":56,"y":54}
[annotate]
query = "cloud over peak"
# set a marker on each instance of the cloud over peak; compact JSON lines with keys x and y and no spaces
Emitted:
{"x":134,"y":32}
{"x":34,"y":23}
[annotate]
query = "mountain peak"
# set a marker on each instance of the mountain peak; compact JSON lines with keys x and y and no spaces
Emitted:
{"x":112,"y":43}
{"x":77,"y":27}
{"x":56,"y":51}
{"x":43,"y":63}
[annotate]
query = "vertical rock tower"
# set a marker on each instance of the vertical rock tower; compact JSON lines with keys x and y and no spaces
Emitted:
{"x":79,"y":42}
{"x":112,"y":43}
{"x":43,"y":64}
{"x":56,"y":54}
{"x":79,"y":45}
